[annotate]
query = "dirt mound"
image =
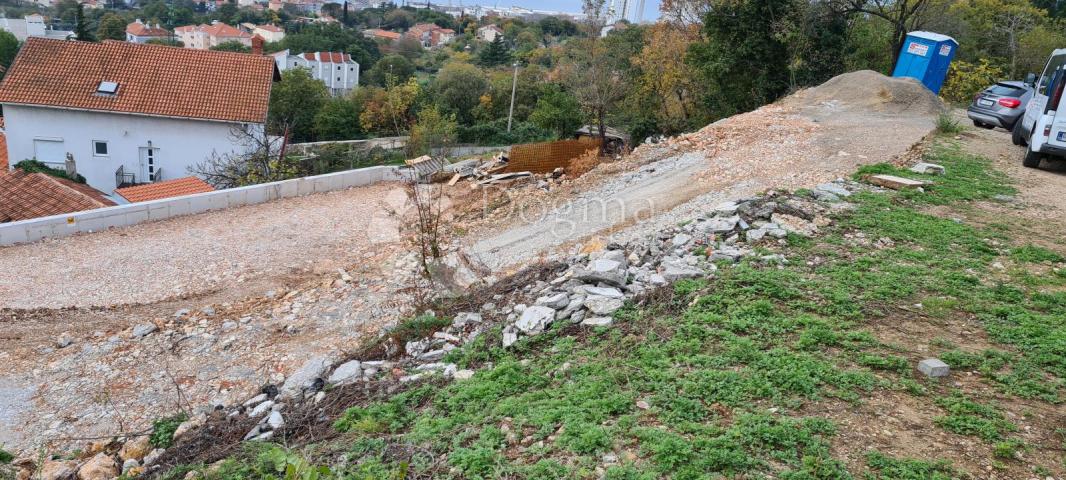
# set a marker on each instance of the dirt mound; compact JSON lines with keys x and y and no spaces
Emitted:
{"x":871,"y":91}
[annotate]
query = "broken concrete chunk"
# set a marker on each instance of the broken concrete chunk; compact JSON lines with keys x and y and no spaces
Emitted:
{"x":555,"y":301}
{"x":597,"y":321}
{"x":896,"y":183}
{"x":604,"y":270}
{"x":676,"y":270}
{"x":934,"y":368}
{"x":681,"y":239}
{"x":928,"y":168}
{"x":834,"y":189}
{"x":602,"y":291}
{"x":534,"y":319}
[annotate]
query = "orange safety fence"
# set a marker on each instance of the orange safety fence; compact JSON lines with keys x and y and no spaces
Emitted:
{"x":545,"y":157}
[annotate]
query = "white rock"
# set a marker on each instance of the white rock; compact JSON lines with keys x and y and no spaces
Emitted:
{"x":601,"y":305}
{"x":602,"y":291}
{"x":260,"y":409}
{"x":275,"y":420}
{"x":534,"y":319}
{"x":304,"y":377}
{"x":347,"y":372}
{"x":597,"y":321}
{"x":463,"y":374}
{"x":556,"y":301}
{"x":143,"y":330}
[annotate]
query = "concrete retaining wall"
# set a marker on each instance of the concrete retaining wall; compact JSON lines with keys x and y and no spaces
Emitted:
{"x":125,"y":215}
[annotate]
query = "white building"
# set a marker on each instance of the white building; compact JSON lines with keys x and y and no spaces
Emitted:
{"x":337,"y":70}
{"x":203,"y":36}
{"x":103,"y":104}
{"x":140,"y":32}
{"x":489,"y":33}
{"x":32,"y":26}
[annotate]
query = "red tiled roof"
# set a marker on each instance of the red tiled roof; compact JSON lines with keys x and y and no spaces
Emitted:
{"x":152,"y":79}
{"x":270,"y":28}
{"x":377,"y":32}
{"x":164,"y":189}
{"x":32,"y":195}
{"x":141,"y":30}
{"x":221,"y":30}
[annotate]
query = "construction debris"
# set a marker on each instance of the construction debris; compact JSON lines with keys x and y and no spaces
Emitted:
{"x":896,"y":183}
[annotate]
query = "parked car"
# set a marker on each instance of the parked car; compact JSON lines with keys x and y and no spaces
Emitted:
{"x":1001,"y":105}
{"x":1043,"y":126}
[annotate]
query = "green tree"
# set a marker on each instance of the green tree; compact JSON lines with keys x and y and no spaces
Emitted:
{"x":495,"y":53}
{"x":81,"y":25}
{"x":458,"y":88}
{"x":596,"y":75}
{"x":736,"y":33}
{"x":9,"y":47}
{"x":294,"y":103}
{"x":338,"y":119}
{"x":112,"y":27}
{"x":557,"y":111}
{"x":232,"y":46}
{"x":398,"y":19}
{"x":395,"y":65}
{"x":387,"y":111}
{"x":432,"y":130}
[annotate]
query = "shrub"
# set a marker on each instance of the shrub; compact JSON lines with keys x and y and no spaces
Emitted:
{"x":163,"y":430}
{"x":965,"y":79}
{"x":34,"y":166}
{"x":947,"y":124}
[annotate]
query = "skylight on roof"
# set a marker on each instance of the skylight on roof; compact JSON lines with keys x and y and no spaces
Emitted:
{"x":107,"y":87}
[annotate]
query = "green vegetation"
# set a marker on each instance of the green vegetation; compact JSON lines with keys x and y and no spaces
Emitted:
{"x":946,"y":123}
{"x":6,"y":456}
{"x":728,"y":375}
{"x":34,"y":166}
{"x":163,"y":430}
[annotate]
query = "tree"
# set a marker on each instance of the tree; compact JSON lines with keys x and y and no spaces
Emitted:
{"x":458,"y":88}
{"x":432,"y":131}
{"x":81,"y":26}
{"x":398,"y":19}
{"x":397,"y":66}
{"x":557,"y":111}
{"x":685,"y":12}
{"x":592,"y":73}
{"x":112,"y":27}
{"x":495,"y":53}
{"x":997,"y":27}
{"x":666,"y":78}
{"x":410,"y":47}
{"x":260,"y":163}
{"x":902,"y":15}
{"x":232,"y":46}
{"x":9,"y":47}
{"x":338,"y":119}
{"x":387,"y":110}
{"x":736,"y":33}
{"x":294,"y":103}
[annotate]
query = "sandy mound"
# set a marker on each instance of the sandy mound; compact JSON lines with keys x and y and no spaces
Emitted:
{"x":871,"y":91}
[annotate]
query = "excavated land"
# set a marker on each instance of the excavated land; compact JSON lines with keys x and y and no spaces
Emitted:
{"x":810,"y":137}
{"x":104,"y":333}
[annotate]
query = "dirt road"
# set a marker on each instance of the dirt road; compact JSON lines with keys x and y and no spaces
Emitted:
{"x":815,"y":136}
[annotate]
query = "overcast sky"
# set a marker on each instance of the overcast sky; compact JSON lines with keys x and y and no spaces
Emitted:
{"x":651,"y":7}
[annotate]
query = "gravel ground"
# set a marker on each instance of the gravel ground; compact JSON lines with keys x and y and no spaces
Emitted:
{"x":805,"y":140}
{"x":200,"y":253}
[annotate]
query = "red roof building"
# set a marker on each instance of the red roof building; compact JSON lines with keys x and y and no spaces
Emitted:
{"x":164,"y":189}
{"x":139,"y":32}
{"x":33,"y":195}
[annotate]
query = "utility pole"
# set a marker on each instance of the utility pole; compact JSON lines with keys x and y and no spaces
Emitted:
{"x":514,"y":86}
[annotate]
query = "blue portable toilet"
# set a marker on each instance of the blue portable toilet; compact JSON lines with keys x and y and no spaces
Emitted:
{"x":926,"y":56}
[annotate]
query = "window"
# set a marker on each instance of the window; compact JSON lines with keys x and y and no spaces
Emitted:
{"x":1006,"y":90}
{"x":338,"y":67}
{"x":351,"y":69}
{"x":107,"y":88}
{"x":99,"y":148}
{"x":1055,"y":62}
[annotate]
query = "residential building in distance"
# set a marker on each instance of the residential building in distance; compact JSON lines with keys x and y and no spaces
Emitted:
{"x":489,"y":33}
{"x":140,"y":32}
{"x":33,"y":195}
{"x":379,"y":34}
{"x":203,"y":36}
{"x":337,"y":70}
{"x":32,"y":26}
{"x":430,"y":34}
{"x":130,"y":113}
{"x":270,"y":33}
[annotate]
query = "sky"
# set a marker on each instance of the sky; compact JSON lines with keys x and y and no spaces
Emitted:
{"x":651,"y":7}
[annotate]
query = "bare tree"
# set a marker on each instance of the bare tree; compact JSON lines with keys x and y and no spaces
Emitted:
{"x":592,"y":73}
{"x":257,"y":159}
{"x":685,"y":12}
{"x":903,"y":15}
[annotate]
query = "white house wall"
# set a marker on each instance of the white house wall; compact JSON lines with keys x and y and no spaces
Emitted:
{"x":179,"y":143}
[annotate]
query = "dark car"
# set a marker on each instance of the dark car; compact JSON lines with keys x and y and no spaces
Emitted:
{"x":1000,"y":105}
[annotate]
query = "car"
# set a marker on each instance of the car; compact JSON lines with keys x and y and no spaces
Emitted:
{"x":1001,"y":105}
{"x":1042,"y":129}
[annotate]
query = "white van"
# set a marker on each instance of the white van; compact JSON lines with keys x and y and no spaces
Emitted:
{"x":1043,"y":127}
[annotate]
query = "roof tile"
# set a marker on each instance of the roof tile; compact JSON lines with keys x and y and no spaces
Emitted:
{"x":32,"y":195}
{"x":164,"y":189}
{"x":152,"y":79}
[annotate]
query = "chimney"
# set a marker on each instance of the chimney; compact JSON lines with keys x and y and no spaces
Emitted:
{"x":72,"y":170}
{"x":257,"y":44}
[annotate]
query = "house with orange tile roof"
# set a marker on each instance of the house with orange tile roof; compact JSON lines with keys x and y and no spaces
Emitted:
{"x":431,"y":35}
{"x":33,"y":195}
{"x":204,"y":36}
{"x":140,"y":32}
{"x":166,"y":189}
{"x":379,"y":34}
{"x":130,"y":113}
{"x":337,"y":70}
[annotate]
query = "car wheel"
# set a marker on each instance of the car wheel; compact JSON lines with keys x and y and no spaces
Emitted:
{"x":978,"y":124}
{"x":1017,"y":136}
{"x":1031,"y":159}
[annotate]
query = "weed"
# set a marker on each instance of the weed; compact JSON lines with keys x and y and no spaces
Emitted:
{"x":889,"y":468}
{"x":948,"y":125}
{"x":417,"y":327}
{"x":1034,"y":254}
{"x":884,"y":362}
{"x":163,"y":430}
{"x":967,"y":417}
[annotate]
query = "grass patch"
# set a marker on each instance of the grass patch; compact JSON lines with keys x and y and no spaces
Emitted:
{"x":968,"y":417}
{"x":885,"y":467}
{"x":418,"y":327}
{"x":163,"y":430}
{"x":1034,"y":254}
{"x":6,"y":456}
{"x":948,"y":125}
